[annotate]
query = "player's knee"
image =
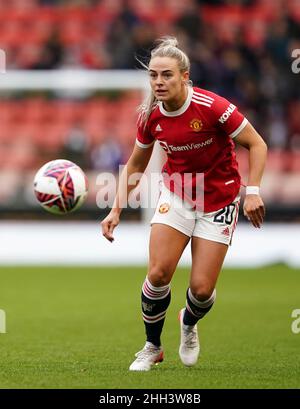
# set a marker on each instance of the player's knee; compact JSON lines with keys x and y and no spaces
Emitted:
{"x":158,"y":276}
{"x":202,"y":291}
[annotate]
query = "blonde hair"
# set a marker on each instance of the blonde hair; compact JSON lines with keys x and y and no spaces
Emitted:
{"x":166,"y":47}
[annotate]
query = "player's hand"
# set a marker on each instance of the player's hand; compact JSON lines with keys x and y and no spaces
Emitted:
{"x":254,"y":210}
{"x":108,"y":224}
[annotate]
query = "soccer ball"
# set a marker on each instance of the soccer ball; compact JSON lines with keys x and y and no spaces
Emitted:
{"x":60,"y":186}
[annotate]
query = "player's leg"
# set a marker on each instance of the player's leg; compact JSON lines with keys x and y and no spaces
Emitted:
{"x":211,"y":238}
{"x":207,"y":260}
{"x":172,"y":227}
{"x":166,"y":247}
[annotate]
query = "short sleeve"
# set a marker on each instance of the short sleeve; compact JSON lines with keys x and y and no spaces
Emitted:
{"x":228,"y":117}
{"x":144,"y":139}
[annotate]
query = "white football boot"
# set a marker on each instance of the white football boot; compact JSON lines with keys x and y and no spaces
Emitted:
{"x":189,"y":348}
{"x":147,"y":357}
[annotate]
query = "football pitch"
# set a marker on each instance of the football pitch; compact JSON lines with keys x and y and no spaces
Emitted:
{"x":80,"y":327}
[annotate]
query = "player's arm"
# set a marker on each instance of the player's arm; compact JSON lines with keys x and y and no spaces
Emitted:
{"x":254,"y":208}
{"x":137,"y":163}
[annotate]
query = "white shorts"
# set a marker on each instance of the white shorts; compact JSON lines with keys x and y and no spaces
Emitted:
{"x":216,"y":226}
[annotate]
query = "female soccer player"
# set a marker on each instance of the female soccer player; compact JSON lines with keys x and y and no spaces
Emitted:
{"x":196,"y":128}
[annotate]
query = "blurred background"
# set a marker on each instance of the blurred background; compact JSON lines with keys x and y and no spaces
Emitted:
{"x":72,"y":85}
{"x":70,"y":90}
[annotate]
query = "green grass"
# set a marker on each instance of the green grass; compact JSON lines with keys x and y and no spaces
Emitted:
{"x":80,"y":327}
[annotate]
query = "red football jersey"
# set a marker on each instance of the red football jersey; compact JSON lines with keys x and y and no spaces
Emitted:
{"x":198,"y":140}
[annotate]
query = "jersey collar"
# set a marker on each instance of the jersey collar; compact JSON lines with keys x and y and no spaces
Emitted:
{"x":182,"y":109}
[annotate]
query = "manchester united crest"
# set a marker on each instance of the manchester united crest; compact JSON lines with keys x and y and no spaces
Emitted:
{"x":164,"y":208}
{"x":196,"y":125}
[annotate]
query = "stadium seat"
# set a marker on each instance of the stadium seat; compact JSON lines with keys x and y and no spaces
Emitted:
{"x":276,"y":160}
{"x":290,"y":191}
{"x":294,"y":161}
{"x":10,"y":179}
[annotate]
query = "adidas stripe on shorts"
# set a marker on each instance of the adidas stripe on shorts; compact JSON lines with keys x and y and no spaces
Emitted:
{"x":217,"y":226}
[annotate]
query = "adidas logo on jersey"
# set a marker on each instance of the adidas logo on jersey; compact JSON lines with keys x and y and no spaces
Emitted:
{"x":158,"y":128}
{"x":226,"y":232}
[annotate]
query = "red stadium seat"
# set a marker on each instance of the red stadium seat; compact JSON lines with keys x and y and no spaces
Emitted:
{"x":50,"y":137}
{"x":290,"y":193}
{"x":10,"y":180}
{"x":294,"y":161}
{"x":20,"y":155}
{"x":276,"y":160}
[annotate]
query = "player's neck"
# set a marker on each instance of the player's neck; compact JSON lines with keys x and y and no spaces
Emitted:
{"x":177,"y":103}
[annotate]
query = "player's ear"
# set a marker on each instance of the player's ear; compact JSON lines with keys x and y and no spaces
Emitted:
{"x":185,"y":77}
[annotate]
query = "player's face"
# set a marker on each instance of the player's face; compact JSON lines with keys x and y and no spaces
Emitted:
{"x":168,"y":83}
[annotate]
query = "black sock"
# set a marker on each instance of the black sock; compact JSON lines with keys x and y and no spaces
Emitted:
{"x":155,"y":301}
{"x":195,"y":309}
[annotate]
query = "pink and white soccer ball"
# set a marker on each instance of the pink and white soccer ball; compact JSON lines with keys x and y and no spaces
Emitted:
{"x":60,"y":186}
